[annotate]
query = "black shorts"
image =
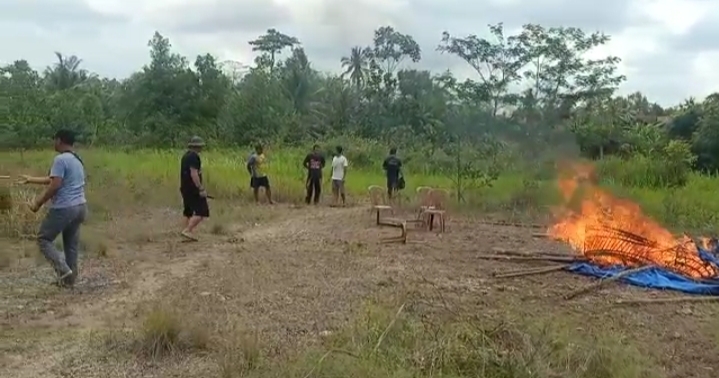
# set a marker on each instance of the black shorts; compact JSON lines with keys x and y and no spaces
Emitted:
{"x":393,"y":183}
{"x":194,"y":204}
{"x":259,"y":182}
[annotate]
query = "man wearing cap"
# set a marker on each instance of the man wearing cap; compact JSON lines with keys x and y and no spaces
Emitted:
{"x":194,"y":196}
{"x":66,"y":190}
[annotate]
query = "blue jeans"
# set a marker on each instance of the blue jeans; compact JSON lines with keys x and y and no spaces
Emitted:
{"x":65,"y":221}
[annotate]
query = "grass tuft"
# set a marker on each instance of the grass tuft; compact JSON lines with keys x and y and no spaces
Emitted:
{"x":164,"y":332}
{"x":160,"y":334}
{"x":240,"y":355}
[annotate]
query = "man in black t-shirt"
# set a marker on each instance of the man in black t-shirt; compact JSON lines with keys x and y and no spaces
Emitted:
{"x":392,"y":166}
{"x":314,"y":163}
{"x":194,"y":196}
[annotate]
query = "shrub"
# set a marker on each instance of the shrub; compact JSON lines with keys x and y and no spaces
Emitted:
{"x":644,"y":172}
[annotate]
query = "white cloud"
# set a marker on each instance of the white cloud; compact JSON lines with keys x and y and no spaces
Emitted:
{"x":111,"y":35}
{"x":676,"y":16}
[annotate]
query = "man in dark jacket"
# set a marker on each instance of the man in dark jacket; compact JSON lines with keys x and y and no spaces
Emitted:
{"x":392,"y":166}
{"x":314,"y":163}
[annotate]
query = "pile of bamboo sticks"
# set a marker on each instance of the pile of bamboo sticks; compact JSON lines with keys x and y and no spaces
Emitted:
{"x":564,"y":262}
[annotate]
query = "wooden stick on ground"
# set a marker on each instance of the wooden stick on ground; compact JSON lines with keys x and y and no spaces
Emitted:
{"x":507,"y":252}
{"x":512,"y":224}
{"x":4,"y":177}
{"x":604,"y":281}
{"x":685,"y":298}
{"x":530,"y":272}
{"x":540,"y":235}
{"x":563,"y":259}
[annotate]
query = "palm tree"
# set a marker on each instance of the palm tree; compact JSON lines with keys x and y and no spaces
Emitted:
{"x":298,"y":79}
{"x":66,"y":73}
{"x":356,"y":65}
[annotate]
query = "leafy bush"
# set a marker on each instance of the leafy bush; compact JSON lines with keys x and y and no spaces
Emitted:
{"x":668,"y":169}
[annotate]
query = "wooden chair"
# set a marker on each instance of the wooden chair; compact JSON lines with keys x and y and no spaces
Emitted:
{"x":423,"y":198}
{"x":437,"y":209}
{"x":423,"y":203}
{"x":378,"y":199}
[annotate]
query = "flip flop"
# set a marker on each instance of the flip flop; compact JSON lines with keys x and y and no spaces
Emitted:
{"x":188,"y":236}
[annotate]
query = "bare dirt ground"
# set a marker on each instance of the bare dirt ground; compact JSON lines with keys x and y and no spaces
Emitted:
{"x":291,"y":275}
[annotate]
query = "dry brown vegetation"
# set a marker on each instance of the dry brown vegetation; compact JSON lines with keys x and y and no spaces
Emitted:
{"x":294,"y":291}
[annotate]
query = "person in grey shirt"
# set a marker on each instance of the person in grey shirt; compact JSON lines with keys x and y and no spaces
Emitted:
{"x":66,"y":190}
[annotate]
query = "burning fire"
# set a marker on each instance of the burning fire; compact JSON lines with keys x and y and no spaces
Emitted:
{"x":611,"y":231}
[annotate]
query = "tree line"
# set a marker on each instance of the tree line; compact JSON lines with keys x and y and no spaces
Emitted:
{"x":533,"y":91}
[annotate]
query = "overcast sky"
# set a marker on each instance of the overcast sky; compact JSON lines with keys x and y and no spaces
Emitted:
{"x":667,"y":46}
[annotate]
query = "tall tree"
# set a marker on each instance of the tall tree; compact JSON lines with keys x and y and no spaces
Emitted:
{"x":272,"y":43}
{"x":497,"y":62}
{"x":392,"y":47}
{"x":559,"y":74}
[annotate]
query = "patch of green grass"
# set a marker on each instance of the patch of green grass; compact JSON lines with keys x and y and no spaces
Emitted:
{"x":150,"y":177}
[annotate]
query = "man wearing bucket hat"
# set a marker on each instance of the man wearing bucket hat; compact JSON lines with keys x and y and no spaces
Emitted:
{"x":194,"y":196}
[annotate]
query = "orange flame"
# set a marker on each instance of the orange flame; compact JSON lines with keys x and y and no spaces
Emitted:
{"x":612,"y":231}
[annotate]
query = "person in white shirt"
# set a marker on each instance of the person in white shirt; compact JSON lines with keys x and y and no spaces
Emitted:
{"x":339,"y":171}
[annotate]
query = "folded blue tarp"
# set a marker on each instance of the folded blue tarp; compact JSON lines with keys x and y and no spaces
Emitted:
{"x":655,"y":278}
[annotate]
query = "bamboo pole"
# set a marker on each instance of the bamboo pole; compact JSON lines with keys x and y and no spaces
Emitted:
{"x":564,"y":259}
{"x":686,"y":298}
{"x":530,"y":272}
{"x":507,"y":252}
{"x":512,"y":224}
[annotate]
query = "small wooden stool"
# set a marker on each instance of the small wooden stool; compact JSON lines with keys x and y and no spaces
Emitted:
{"x":398,"y":223}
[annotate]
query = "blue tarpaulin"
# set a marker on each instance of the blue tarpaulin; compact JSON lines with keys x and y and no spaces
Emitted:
{"x":655,"y":278}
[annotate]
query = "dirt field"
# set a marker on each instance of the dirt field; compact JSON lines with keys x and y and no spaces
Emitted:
{"x":291,"y":275}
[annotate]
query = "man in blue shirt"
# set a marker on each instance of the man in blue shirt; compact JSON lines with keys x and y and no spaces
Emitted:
{"x":66,"y":190}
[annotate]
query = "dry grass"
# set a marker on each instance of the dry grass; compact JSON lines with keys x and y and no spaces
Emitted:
{"x":381,"y":343}
{"x":17,"y":221}
{"x":240,"y":354}
{"x":17,"y":224}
